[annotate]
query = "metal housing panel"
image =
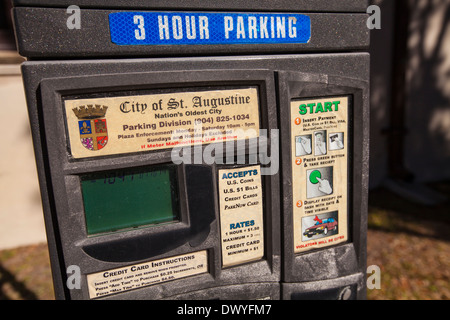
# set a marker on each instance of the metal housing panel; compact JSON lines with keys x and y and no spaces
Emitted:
{"x":279,"y":5}
{"x":43,"y":33}
{"x":45,"y":81}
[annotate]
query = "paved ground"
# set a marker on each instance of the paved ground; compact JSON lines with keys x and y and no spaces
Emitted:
{"x":21,"y":218}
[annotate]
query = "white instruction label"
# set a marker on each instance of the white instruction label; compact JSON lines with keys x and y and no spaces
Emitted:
{"x":241,"y":215}
{"x":145,"y":274}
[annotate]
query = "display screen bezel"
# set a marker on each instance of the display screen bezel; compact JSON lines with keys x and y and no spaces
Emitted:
{"x":136,"y":216}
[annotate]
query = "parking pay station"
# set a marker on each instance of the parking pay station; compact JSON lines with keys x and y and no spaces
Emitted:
{"x":201,"y":149}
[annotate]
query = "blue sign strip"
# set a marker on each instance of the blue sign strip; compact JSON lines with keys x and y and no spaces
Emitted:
{"x":201,"y":28}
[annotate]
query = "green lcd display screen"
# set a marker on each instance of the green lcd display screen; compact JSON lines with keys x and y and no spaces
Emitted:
{"x":130,"y":198}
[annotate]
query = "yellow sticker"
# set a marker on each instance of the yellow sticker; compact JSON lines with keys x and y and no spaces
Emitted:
{"x":320,"y":147}
{"x":126,"y":124}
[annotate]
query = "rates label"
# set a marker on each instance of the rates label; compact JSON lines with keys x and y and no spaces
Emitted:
{"x":241,"y":215}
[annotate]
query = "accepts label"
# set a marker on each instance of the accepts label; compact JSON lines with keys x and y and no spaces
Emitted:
{"x":241,"y":215}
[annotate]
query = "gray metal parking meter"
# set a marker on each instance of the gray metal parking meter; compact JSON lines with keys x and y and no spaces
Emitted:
{"x":201,"y":150}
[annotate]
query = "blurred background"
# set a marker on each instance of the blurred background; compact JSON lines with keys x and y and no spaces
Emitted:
{"x":409,"y":200}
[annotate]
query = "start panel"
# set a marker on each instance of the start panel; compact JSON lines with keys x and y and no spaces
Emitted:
{"x":325,"y":135}
{"x":320,"y":145}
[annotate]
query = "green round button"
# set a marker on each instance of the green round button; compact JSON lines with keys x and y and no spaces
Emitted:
{"x":314,"y":175}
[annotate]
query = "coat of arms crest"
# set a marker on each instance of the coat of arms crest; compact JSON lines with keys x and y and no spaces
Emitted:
{"x":92,"y":126}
